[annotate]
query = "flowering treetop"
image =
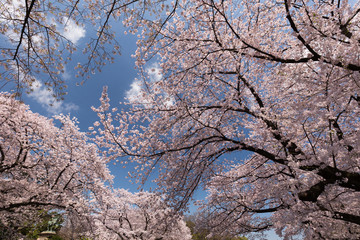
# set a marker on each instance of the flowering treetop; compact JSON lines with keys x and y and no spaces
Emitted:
{"x":45,"y":167}
{"x":276,"y":79}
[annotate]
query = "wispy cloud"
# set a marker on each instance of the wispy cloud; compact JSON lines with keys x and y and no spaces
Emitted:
{"x":66,"y":75}
{"x":73,"y":32}
{"x":135,"y":90}
{"x":137,"y":93}
{"x":15,"y":9}
{"x":45,"y":98}
{"x":136,"y":87}
{"x":154,"y":73}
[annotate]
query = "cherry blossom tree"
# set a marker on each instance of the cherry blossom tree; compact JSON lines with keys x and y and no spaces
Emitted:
{"x":38,"y":38}
{"x":141,"y":215}
{"x":275,"y":80}
{"x":45,"y":167}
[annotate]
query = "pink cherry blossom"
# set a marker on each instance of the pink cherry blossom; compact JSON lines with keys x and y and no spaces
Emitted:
{"x":264,"y":115}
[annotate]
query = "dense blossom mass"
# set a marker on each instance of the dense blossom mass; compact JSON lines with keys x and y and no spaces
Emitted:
{"x":276,"y":81}
{"x":44,"y":167}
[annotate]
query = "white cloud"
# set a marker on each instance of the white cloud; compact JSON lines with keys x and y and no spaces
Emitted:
{"x":135,"y":94}
{"x":45,"y":98}
{"x":15,"y":9}
{"x":135,"y":90}
{"x":73,"y":32}
{"x":136,"y":87}
{"x":11,"y":10}
{"x":66,"y":75}
{"x":154,"y":73}
{"x":14,"y":6}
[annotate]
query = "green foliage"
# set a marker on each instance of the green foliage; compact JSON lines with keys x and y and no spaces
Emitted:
{"x":46,"y":221}
{"x":55,"y":237}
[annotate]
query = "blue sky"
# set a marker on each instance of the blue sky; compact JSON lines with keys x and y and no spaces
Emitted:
{"x":119,"y":77}
{"x":80,"y":98}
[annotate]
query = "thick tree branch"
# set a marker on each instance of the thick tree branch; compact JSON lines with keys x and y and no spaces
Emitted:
{"x":331,"y":175}
{"x":25,"y":25}
{"x":39,"y":205}
{"x":298,"y":35}
{"x":347,"y":217}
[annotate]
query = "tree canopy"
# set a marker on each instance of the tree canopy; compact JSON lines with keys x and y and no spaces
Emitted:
{"x":45,"y":167}
{"x":277,"y":80}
